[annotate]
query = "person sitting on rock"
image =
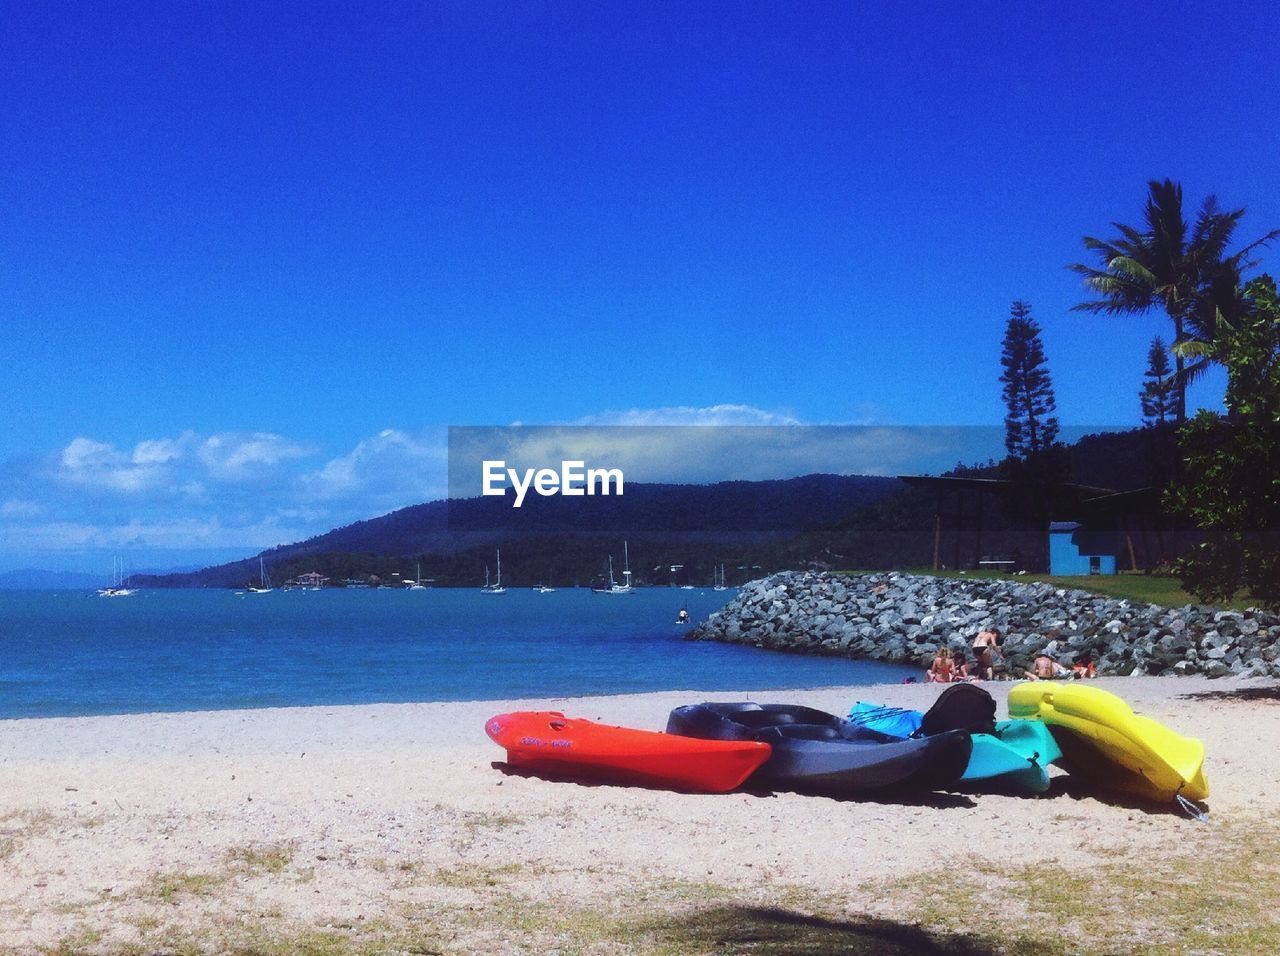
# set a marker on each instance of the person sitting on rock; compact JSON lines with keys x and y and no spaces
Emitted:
{"x":940,"y":670}
{"x":1084,"y":667}
{"x":961,"y":669}
{"x":1045,"y":667}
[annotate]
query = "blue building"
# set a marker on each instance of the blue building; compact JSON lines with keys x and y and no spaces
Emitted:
{"x":1074,"y":550}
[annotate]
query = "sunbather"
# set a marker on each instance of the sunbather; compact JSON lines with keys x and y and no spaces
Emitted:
{"x":962,"y":669}
{"x":1084,"y":667}
{"x":940,"y":670}
{"x":1045,"y":667}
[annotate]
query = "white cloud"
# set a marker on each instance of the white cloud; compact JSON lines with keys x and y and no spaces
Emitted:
{"x":84,"y":453}
{"x":94,"y":464}
{"x":725,"y":414}
{"x":181,"y":467}
{"x":161,"y":450}
{"x":20,"y":508}
{"x":241,"y":456}
{"x":393,"y":469}
{"x":743,"y":448}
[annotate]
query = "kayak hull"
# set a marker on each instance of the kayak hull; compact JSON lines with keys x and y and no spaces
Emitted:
{"x":548,"y":742}
{"x":1102,"y":738}
{"x":814,"y":750}
{"x":1015,"y":757}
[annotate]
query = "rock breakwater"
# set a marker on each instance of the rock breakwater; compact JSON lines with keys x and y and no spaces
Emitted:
{"x":905,"y":618}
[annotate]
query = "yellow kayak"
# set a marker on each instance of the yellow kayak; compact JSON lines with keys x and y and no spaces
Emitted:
{"x":1138,"y":755}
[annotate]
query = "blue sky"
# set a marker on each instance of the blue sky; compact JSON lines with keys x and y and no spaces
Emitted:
{"x":255,"y":258}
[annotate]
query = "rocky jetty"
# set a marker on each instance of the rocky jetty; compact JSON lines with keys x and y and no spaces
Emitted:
{"x":905,"y":618}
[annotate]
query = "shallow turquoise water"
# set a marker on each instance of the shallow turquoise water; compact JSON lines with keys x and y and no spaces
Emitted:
{"x":75,"y":653}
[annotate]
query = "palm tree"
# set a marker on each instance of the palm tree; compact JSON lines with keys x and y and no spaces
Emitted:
{"x":1191,"y":276}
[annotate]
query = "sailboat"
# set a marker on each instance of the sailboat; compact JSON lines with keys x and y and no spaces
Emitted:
{"x":264,"y":580}
{"x":416,"y":584}
{"x":117,"y":586}
{"x":719,"y":576}
{"x":614,"y":587}
{"x":497,"y":587}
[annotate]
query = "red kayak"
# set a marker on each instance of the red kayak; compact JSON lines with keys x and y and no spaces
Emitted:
{"x":574,"y":747}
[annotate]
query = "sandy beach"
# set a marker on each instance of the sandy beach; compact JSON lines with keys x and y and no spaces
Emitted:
{"x":395,"y":828}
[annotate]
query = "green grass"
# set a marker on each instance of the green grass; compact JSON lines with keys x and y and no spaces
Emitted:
{"x":477,"y":876}
{"x":1212,"y":890}
{"x":167,"y":887}
{"x":1134,"y":586}
{"x":18,"y":826}
{"x":1208,"y":888}
{"x":254,"y":860}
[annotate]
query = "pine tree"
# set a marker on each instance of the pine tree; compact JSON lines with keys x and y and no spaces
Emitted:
{"x":1031,"y":423}
{"x":1158,"y":395}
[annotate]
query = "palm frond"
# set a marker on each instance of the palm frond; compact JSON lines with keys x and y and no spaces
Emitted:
{"x":1131,"y":269}
{"x":1212,"y":232}
{"x":1166,"y":227}
{"x":1238,"y":259}
{"x":1192,"y":349}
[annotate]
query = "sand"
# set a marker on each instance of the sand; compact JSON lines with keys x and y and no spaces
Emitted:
{"x":164,"y":832}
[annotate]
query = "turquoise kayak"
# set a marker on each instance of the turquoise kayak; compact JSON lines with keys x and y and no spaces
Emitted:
{"x":1015,"y":757}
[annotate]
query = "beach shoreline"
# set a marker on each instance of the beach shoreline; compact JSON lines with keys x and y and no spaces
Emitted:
{"x":204,"y":828}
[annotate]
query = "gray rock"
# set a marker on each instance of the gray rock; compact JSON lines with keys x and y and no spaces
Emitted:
{"x":892,"y":616}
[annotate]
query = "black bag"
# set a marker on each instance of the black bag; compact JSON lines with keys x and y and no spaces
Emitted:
{"x":961,"y":707}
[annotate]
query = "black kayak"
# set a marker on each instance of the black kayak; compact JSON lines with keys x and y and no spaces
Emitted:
{"x":819,"y":751}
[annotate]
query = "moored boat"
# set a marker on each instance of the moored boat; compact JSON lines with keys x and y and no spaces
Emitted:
{"x":549,"y":742}
{"x":495,"y":588}
{"x":613,"y":586}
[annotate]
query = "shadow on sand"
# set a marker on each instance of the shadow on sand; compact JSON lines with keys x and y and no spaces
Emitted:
{"x":774,"y":931}
{"x":1077,"y":787}
{"x":908,"y":798}
{"x":1243,"y":695}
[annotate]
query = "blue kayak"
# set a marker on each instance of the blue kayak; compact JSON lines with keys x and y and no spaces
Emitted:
{"x":814,"y":750}
{"x":894,"y":721}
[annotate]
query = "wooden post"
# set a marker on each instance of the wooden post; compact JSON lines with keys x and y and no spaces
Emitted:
{"x":1133,"y":558}
{"x":959,"y":527}
{"x":937,"y":526}
{"x":977,"y":542}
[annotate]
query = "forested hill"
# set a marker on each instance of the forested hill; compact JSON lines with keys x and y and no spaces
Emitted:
{"x":683,"y":524}
{"x":817,"y":521}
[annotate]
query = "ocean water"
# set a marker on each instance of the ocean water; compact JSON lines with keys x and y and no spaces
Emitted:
{"x":73,"y":653}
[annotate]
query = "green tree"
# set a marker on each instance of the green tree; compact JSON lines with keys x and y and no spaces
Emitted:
{"x":1230,"y":482}
{"x":1030,"y":421}
{"x":1157,"y":395}
{"x":1184,"y":269}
